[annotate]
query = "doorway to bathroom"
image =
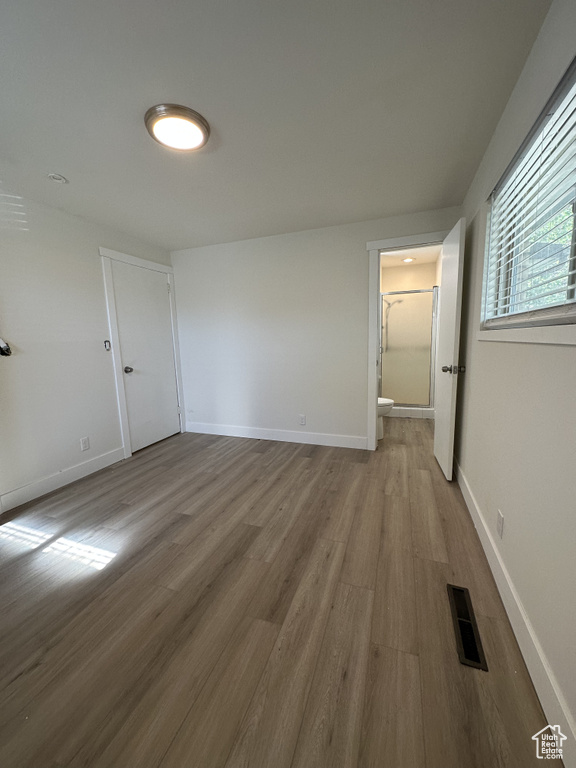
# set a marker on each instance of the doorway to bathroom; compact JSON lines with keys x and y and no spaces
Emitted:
{"x":408,"y":311}
{"x":448,"y":275}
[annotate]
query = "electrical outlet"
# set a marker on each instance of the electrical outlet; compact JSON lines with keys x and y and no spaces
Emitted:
{"x":500,"y":524}
{"x":302,"y":419}
{"x":84,"y":443}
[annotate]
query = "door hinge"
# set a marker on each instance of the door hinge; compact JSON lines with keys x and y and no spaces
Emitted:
{"x":168,"y":286}
{"x":179,"y":410}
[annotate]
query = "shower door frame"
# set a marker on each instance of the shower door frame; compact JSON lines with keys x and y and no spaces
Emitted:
{"x":432,"y":371}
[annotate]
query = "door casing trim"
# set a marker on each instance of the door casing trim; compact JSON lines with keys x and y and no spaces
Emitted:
{"x":108,"y":257}
{"x":374,"y":247}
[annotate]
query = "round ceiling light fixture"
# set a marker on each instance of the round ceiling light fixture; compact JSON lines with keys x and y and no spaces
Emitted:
{"x":177,"y":127}
{"x":407,"y":261}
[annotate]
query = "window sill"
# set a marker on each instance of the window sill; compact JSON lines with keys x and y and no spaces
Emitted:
{"x":544,"y":334}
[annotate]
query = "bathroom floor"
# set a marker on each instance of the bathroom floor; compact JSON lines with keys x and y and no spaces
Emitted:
{"x":220,"y":601}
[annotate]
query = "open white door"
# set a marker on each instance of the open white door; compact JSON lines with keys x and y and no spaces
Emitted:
{"x":447,"y":347}
{"x":142,"y":330}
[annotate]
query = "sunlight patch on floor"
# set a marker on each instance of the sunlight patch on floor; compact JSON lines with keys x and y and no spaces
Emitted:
{"x":72,"y":550}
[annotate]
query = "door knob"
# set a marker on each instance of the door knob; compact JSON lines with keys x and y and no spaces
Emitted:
{"x":445,"y":369}
{"x":127,"y":369}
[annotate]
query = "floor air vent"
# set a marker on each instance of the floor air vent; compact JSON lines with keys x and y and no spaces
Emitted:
{"x":468,"y":641}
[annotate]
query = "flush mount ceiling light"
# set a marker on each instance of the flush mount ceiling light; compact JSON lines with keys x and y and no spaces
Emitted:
{"x":177,"y":127}
{"x":407,"y":261}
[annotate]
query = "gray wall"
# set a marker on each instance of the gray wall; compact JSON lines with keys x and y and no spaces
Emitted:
{"x":516,"y":441}
{"x":58,"y":385}
{"x":278,"y":326}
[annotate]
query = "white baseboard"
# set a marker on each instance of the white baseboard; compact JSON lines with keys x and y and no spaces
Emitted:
{"x":284,"y":435}
{"x":549,"y":691}
{"x":52,"y":482}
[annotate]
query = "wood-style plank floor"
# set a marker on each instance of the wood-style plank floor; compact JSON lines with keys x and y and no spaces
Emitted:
{"x":220,"y":602}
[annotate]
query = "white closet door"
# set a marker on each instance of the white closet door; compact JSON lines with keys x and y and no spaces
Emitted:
{"x":144,"y":321}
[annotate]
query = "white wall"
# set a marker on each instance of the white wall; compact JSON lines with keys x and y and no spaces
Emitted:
{"x":58,"y":385}
{"x":516,"y":442}
{"x":278,"y":326}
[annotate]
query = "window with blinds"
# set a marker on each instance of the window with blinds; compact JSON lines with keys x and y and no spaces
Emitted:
{"x":530,"y":271}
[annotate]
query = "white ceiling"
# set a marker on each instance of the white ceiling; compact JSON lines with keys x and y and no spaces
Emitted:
{"x":322,"y":111}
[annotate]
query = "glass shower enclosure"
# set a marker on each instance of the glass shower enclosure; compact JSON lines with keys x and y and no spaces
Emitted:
{"x":407,"y":346}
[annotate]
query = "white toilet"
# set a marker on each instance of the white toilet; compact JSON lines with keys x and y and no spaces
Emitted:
{"x":385,"y":405}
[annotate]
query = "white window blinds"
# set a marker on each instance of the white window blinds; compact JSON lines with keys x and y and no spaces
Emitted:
{"x":530,"y":275}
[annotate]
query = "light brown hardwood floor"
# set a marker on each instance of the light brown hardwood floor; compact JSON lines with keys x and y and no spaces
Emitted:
{"x":220,"y":602}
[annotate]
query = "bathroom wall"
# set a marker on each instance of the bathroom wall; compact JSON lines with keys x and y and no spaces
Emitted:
{"x":516,"y":427}
{"x":408,"y":277}
{"x":278,"y":326}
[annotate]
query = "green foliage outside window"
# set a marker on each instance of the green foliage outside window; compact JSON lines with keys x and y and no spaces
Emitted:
{"x":553,"y":240}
